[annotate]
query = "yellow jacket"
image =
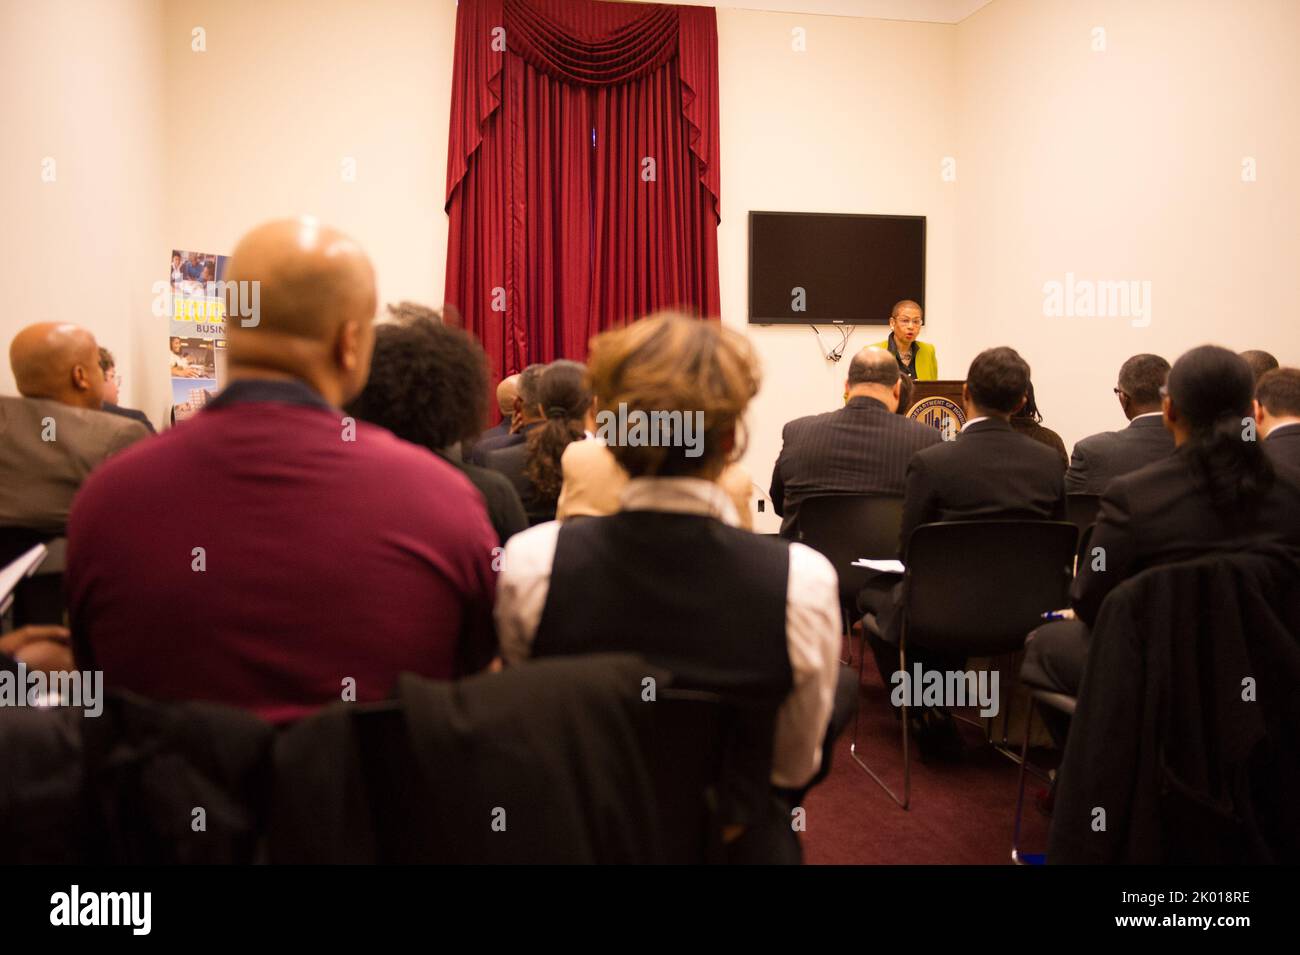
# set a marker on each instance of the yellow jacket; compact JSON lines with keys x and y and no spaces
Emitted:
{"x":927,"y":364}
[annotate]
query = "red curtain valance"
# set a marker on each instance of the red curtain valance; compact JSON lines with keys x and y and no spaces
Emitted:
{"x":596,"y":44}
{"x":625,"y":53}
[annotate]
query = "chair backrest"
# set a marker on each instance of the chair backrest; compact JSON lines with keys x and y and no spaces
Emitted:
{"x":1081,"y":510}
{"x":980,"y":586}
{"x":846,"y":527}
{"x":684,"y":752}
{"x":710,"y":759}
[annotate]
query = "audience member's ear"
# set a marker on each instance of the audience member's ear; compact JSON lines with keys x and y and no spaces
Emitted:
{"x":1020,"y":404}
{"x":1257,"y":412}
{"x":1169,"y":412}
{"x":897,"y":392}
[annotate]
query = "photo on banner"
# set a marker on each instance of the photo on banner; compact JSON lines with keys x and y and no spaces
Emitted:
{"x":197,"y":332}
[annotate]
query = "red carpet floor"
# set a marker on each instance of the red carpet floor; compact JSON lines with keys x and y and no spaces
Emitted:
{"x":960,"y":813}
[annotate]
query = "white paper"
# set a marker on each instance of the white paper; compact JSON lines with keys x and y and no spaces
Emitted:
{"x":883,"y":566}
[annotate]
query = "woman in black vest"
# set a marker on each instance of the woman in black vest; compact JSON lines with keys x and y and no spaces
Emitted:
{"x":670,"y":576}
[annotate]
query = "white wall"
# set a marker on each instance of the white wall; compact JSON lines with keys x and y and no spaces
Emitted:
{"x":81,"y":84}
{"x":1117,"y":165}
{"x":1126,"y":165}
{"x":858,"y":122}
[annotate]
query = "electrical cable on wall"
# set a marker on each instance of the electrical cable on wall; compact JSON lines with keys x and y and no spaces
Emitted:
{"x":836,"y":353}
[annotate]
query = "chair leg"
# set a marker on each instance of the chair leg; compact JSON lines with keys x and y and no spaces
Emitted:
{"x":846,"y":640}
{"x":907,"y":764}
{"x":1016,"y":856}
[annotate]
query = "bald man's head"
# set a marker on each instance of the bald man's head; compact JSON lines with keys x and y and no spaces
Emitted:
{"x":59,"y":362}
{"x":507,"y":392}
{"x":315,"y":306}
{"x":874,"y":373}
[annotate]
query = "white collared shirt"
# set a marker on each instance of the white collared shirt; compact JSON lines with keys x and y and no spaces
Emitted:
{"x":972,"y":421}
{"x":812,"y":614}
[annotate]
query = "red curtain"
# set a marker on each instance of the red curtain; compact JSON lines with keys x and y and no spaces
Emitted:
{"x":582,"y":171}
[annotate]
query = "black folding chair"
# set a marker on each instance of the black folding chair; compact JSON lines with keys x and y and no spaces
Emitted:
{"x":39,"y":597}
{"x":1081,"y":511}
{"x":845,"y":528}
{"x":976,"y":588}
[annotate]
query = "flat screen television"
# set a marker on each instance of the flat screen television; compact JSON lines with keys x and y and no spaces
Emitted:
{"x":816,"y":268}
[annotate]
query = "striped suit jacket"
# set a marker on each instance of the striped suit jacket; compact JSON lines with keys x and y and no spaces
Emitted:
{"x":862,"y":448}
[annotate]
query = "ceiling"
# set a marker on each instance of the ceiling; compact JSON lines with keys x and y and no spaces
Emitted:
{"x":931,"y":11}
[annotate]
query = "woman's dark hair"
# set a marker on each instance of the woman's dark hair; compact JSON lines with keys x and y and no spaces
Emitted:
{"x":1211,"y":390}
{"x":564,"y":398}
{"x":905,"y":389}
{"x":428,"y":384}
{"x":1030,"y":408}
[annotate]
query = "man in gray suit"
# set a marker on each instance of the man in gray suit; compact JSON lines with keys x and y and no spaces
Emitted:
{"x":55,"y":434}
{"x":862,"y":448}
{"x":1101,"y":457}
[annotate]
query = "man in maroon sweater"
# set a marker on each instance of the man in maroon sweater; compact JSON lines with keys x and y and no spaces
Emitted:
{"x":272,"y":553}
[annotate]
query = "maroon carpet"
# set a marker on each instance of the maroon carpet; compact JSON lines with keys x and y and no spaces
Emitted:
{"x":960,"y":813}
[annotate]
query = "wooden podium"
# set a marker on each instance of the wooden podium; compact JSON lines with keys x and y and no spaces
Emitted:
{"x":938,"y":404}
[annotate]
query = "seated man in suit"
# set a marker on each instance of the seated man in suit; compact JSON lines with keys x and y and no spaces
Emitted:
{"x":670,"y":576}
{"x":507,"y":392}
{"x":1216,"y":492}
{"x":275,"y":554}
{"x":1277,"y":412}
{"x":523,"y":417}
{"x":989,"y":472}
{"x":56,"y":433}
{"x":862,"y":448}
{"x":1101,"y":457}
{"x":113,"y":381}
{"x":1260,"y":362}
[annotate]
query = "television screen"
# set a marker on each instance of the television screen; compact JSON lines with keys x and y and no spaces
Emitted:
{"x":808,"y":268}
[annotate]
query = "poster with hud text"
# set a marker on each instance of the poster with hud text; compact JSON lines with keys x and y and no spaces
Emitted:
{"x":197,"y":333}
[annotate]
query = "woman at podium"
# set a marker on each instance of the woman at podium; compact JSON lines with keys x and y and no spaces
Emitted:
{"x":915,"y":359}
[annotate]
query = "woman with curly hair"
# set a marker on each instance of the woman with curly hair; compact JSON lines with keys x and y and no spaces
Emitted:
{"x":428,"y":385}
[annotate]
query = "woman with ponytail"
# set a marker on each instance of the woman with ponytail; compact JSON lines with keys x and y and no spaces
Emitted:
{"x":566,"y":403}
{"x":1217,"y":493}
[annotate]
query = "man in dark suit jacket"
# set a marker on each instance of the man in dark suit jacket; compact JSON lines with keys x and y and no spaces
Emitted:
{"x":526,"y":416}
{"x":1166,"y":512}
{"x":989,"y":472}
{"x":1101,"y":457}
{"x":862,"y":448}
{"x":1277,"y":412}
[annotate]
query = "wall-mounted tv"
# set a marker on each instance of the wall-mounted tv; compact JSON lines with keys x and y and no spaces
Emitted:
{"x":815,"y":268}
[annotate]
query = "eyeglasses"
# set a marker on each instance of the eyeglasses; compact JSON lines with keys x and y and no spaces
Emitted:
{"x":1118,"y":391}
{"x":909,"y":322}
